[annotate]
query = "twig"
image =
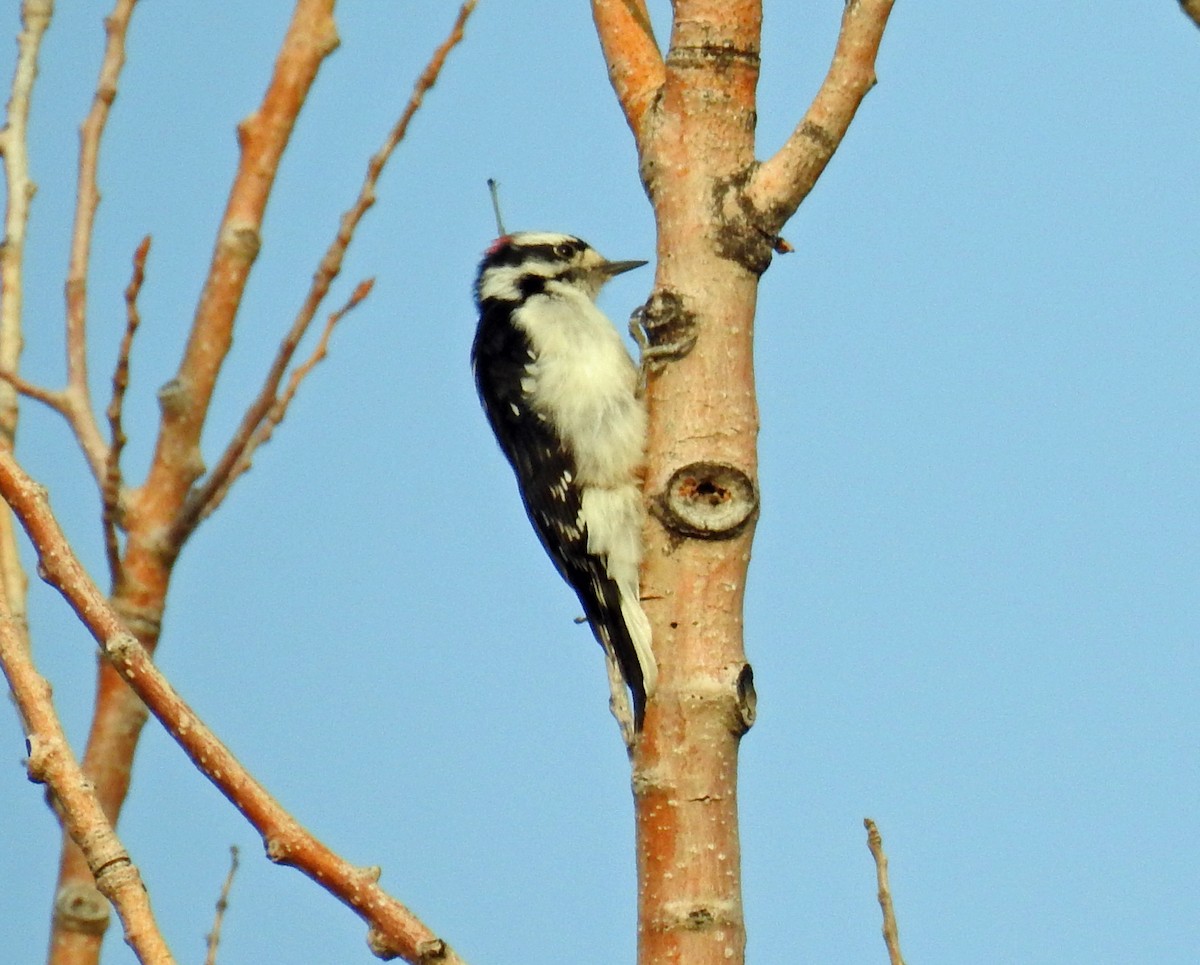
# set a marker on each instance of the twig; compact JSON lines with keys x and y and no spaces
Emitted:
{"x":394,"y":930}
{"x":235,"y":458}
{"x":87,"y":200}
{"x":891,"y":933}
{"x":52,"y":763}
{"x":1192,"y":9}
{"x":113,"y":484}
{"x":35,"y":18}
{"x":214,"y":936}
{"x":19,"y":191}
{"x":56,"y":399}
{"x":263,"y":136}
{"x":278,"y":410}
{"x":785,"y":179}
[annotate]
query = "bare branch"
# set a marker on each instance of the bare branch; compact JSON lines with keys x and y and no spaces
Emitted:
{"x":148,"y":512}
{"x":635,"y":64}
{"x":19,"y":191}
{"x":279,"y":409}
{"x":263,"y":136}
{"x":52,"y":763}
{"x":784,"y":180}
{"x":63,"y":402}
{"x":214,"y":936}
{"x":56,"y":399}
{"x":35,"y":18}
{"x":113,"y":483}
{"x":1192,"y":9}
{"x":275,"y":415}
{"x":394,"y":930}
{"x":116,"y":26}
{"x":891,"y":933}
{"x":235,"y":459}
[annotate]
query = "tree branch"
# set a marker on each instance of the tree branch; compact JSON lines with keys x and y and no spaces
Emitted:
{"x":111,"y":491}
{"x":784,"y":180}
{"x":56,"y":399}
{"x":19,"y":191}
{"x":87,"y":200}
{"x":117,"y":717}
{"x":51,"y":763}
{"x":635,"y":64}
{"x":213,"y":941}
{"x":1192,"y":9}
{"x":148,"y":511}
{"x":395,"y":930}
{"x":275,"y":414}
{"x":891,"y":932}
{"x":263,"y":136}
{"x":236,"y":457}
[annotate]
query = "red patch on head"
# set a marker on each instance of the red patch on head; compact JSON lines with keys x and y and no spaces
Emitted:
{"x":497,"y":244}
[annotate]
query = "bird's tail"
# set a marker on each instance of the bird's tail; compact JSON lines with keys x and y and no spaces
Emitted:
{"x":627,"y":639}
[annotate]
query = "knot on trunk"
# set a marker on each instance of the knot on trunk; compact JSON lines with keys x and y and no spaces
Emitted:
{"x":707,"y":500}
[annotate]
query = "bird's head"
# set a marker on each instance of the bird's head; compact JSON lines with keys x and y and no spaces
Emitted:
{"x":518,"y":266}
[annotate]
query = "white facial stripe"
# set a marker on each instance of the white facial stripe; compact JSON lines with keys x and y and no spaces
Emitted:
{"x":503,"y":282}
{"x":525,"y":238}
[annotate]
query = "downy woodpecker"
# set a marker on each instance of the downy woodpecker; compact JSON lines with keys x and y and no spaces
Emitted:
{"x":561,"y":394}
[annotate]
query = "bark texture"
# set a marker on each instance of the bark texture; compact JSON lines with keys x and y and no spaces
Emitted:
{"x":718,"y":213}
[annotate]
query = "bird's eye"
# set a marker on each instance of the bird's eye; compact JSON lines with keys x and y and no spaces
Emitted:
{"x":564,"y":249}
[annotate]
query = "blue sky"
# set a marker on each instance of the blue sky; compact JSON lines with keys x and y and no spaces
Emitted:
{"x":973,"y":610}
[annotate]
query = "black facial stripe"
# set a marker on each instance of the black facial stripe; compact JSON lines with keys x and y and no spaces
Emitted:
{"x":512,"y":254}
{"x":530,"y":285}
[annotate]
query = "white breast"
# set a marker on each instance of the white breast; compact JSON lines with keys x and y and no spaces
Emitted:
{"x":583,"y":381}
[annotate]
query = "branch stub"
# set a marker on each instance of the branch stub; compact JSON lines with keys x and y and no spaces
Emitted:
{"x":747,"y":698}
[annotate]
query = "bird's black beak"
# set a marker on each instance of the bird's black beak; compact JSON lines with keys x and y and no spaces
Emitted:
{"x":611,"y":268}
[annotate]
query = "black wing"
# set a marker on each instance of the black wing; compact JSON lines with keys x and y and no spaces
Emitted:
{"x":545,"y":473}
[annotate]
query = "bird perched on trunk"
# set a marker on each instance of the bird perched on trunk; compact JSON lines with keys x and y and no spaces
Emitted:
{"x":561,"y":394}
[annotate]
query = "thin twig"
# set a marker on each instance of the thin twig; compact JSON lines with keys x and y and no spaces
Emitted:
{"x":87,"y":200}
{"x":275,"y":415}
{"x":214,"y":936}
{"x":56,"y":399}
{"x":52,"y":763}
{"x":19,"y":191}
{"x":213,"y":489}
{"x":394,"y":929}
{"x":1192,"y":9}
{"x":891,"y":933}
{"x":113,"y":483}
{"x":35,"y":18}
{"x":279,"y":409}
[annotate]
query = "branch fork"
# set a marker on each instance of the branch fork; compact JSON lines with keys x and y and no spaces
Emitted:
{"x":719,"y":213}
{"x":158,"y":515}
